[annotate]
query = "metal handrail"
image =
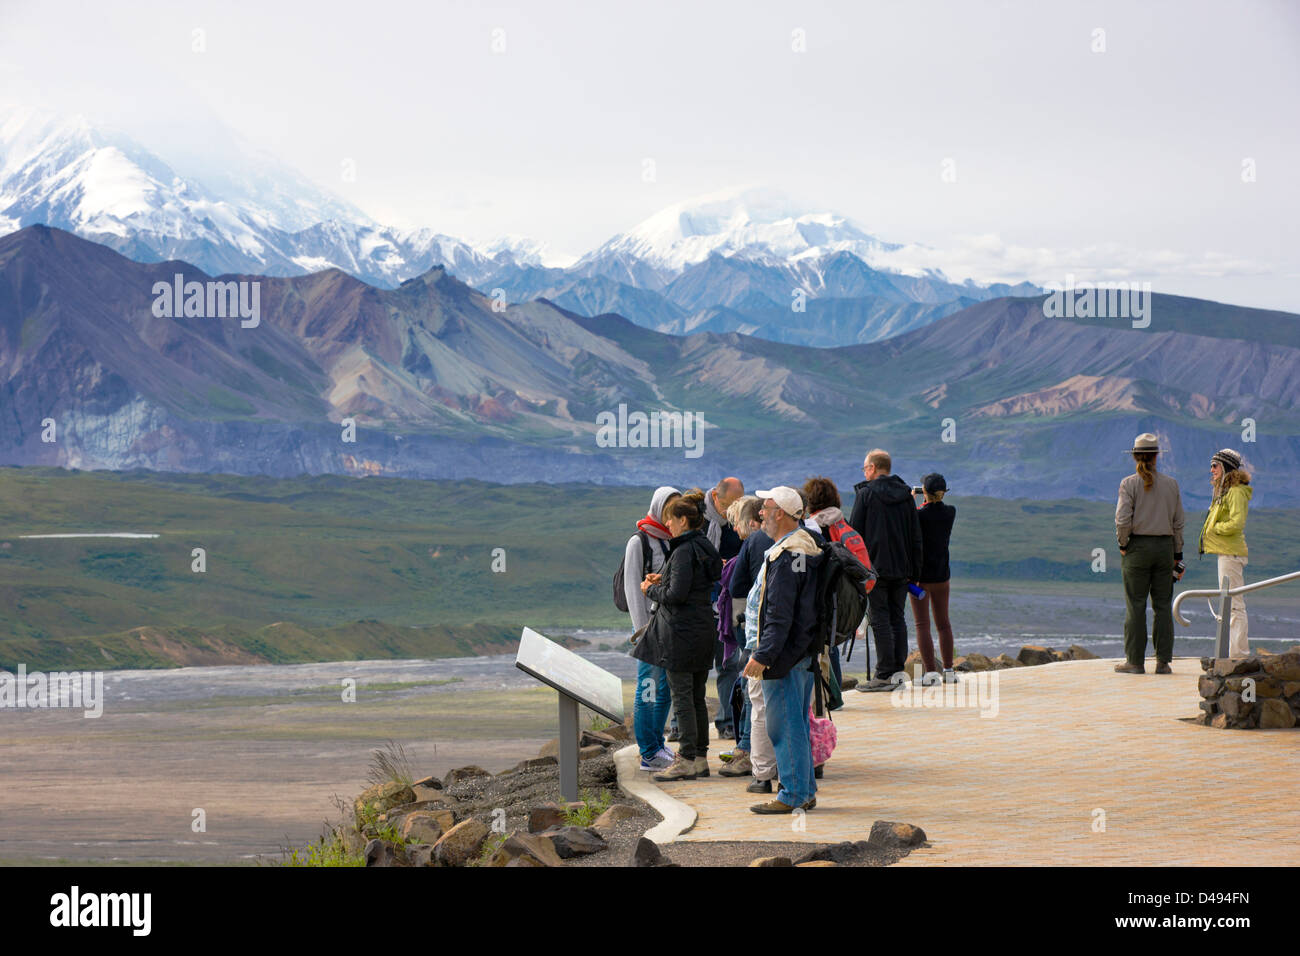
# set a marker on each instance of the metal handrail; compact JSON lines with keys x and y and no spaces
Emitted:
{"x":1225,"y":596}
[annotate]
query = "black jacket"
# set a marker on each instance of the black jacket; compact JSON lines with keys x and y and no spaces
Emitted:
{"x":748,"y":563}
{"x":787,"y":620}
{"x":884,"y":513}
{"x":936,"y":531}
{"x":683,"y":631}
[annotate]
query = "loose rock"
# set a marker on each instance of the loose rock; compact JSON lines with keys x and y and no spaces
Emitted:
{"x":575,"y":841}
{"x":884,"y":833}
{"x":461,"y":843}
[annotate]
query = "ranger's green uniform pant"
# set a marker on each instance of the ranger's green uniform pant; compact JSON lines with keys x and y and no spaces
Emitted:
{"x":1149,"y":570}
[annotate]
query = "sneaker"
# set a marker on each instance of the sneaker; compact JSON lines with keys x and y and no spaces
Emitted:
{"x":739,"y":765}
{"x":772,"y":806}
{"x":666,"y":755}
{"x":949,"y":675}
{"x":674,"y":735}
{"x":681,"y":769}
{"x":817,"y":770}
{"x":1162,"y":667}
{"x":760,"y":786}
{"x":727,"y":733}
{"x":1127,"y":668}
{"x":701,"y":766}
{"x":657,"y":762}
{"x":931,"y":678}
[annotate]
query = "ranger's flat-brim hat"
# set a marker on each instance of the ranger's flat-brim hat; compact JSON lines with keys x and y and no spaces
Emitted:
{"x":1145,"y":442}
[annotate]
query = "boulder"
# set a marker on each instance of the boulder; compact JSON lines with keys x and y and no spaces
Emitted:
{"x":547,"y":815}
{"x":845,"y":852}
{"x":551,"y":748}
{"x":464,"y":773}
{"x":974,"y":662}
{"x":1003,"y":661}
{"x":575,"y":841}
{"x":772,"y":861}
{"x":1284,"y":667}
{"x":419,"y":854}
{"x":380,"y":853}
{"x":600,"y":739}
{"x":424,"y":794}
{"x":594,"y":750}
{"x":381,"y":798}
{"x":1080,"y":653}
{"x":461,"y":843}
{"x":1209,"y":706}
{"x":1227,"y":666}
{"x":611,"y":817}
{"x":1291,"y":688}
{"x":1219,"y":721}
{"x":422,"y":826}
{"x":431,"y":782}
{"x":647,"y":854}
{"x":537,"y":763}
{"x":1275,"y":714}
{"x":818,"y":863}
{"x":1059,"y":655}
{"x":1209,"y":686}
{"x":1032,"y":654}
{"x":536,"y":849}
{"x":884,"y":833}
{"x":1232,"y":704}
{"x":618,"y":732}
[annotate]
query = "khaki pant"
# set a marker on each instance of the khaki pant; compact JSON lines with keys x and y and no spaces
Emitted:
{"x":761,"y":752}
{"x":1233,"y":568}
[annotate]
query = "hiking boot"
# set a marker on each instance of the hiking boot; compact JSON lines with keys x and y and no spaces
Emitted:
{"x":760,"y":786}
{"x":1127,"y":668}
{"x":875,"y":685}
{"x":817,"y":770}
{"x":1162,"y":667}
{"x":682,"y":769}
{"x":949,"y":675}
{"x":740,"y":765}
{"x":701,"y":766}
{"x":772,"y":806}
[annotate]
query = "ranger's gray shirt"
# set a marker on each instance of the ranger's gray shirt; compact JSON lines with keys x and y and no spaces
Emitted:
{"x":1158,"y":511}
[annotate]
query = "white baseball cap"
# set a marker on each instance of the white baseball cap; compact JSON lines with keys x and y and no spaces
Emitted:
{"x":786,"y":498}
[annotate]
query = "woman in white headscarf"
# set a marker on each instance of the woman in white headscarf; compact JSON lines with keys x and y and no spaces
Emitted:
{"x":652,"y":699}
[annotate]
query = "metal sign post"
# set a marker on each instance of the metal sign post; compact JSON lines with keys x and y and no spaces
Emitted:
{"x":578,"y":681}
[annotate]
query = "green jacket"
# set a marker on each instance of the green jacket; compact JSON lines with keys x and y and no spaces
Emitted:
{"x":1224,"y":531}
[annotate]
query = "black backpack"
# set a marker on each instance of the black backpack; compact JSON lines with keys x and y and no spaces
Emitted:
{"x":620,"y":596}
{"x":841,"y":604}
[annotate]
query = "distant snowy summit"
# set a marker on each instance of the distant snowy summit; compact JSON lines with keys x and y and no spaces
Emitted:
{"x":730,"y":261}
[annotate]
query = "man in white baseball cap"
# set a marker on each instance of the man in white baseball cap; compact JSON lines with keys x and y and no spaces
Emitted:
{"x":782,"y":611}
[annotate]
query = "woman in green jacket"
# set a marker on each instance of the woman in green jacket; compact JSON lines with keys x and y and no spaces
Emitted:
{"x":1224,"y":534}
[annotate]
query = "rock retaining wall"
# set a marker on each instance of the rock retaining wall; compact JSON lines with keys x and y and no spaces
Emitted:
{"x":1245,"y":693}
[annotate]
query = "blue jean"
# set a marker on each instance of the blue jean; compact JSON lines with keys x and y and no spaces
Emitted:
{"x":728,"y":671}
{"x":648,"y":715}
{"x":743,"y":726}
{"x":787,"y":701}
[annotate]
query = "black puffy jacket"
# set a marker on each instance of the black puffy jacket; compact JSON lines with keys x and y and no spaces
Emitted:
{"x":683,"y":632}
{"x":884,"y":513}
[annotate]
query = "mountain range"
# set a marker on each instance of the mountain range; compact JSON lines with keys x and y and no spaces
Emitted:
{"x":746,"y":260}
{"x":442,"y":381}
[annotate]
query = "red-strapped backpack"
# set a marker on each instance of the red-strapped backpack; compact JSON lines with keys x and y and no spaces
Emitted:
{"x":843,"y":532}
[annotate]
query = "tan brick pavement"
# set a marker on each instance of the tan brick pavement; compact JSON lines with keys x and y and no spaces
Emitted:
{"x":1021,"y":787}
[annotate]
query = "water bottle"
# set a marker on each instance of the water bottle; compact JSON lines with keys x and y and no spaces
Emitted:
{"x":915,"y":590}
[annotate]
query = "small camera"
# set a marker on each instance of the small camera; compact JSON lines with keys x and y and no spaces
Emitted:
{"x":1179,"y":568}
{"x":918,"y":490}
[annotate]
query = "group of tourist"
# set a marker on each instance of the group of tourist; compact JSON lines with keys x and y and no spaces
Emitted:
{"x":729,"y":581}
{"x":1149,"y":530}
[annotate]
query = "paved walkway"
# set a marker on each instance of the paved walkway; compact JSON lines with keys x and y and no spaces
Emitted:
{"x":1070,"y":742}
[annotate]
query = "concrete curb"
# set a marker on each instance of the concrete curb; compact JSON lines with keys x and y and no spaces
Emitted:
{"x":678,"y":817}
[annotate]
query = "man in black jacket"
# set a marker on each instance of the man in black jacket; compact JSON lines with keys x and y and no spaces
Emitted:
{"x":885,"y":515}
{"x":787,"y":622}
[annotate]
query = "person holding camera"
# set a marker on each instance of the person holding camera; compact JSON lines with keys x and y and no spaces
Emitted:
{"x":1149,"y":529}
{"x":936,"y":531}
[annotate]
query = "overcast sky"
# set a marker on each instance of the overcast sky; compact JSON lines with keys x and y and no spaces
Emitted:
{"x":1122,"y":163}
